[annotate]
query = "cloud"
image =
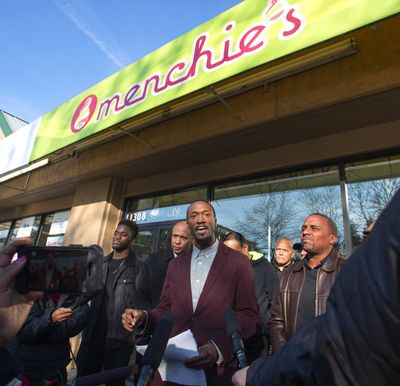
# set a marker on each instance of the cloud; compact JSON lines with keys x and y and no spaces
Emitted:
{"x":87,"y":22}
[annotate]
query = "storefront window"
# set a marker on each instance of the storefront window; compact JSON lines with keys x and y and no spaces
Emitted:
{"x":371,"y":185}
{"x":267,"y":208}
{"x":53,"y":228}
{"x":4,"y":231}
{"x":46,"y":229}
{"x":264,"y":210}
{"x":26,"y":227}
{"x":167,"y":207}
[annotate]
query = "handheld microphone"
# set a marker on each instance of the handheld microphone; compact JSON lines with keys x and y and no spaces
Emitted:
{"x":298,"y":246}
{"x":105,"y":376}
{"x":234,"y":331}
{"x":156,"y":348}
{"x":82,"y":300}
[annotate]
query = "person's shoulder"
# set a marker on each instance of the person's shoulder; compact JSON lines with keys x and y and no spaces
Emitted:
{"x":233,"y":255}
{"x":159,"y":255}
{"x":296,"y":266}
{"x":182,"y":258}
{"x":264,"y":264}
{"x":341,"y":260}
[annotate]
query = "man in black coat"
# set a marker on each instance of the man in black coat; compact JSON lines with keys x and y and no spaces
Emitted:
{"x":356,"y":342}
{"x":266,"y":283}
{"x":105,"y":343}
{"x":151,"y":277}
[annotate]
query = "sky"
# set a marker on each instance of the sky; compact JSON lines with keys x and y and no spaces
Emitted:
{"x":52,"y":50}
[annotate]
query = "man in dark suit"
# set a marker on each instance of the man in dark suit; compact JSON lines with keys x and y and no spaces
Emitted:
{"x":151,"y":277}
{"x":199,"y":286}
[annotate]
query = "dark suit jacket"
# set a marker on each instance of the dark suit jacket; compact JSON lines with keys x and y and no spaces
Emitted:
{"x":229,"y":285}
{"x":151,"y":279}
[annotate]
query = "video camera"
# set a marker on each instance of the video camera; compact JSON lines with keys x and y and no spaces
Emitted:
{"x":74,"y":270}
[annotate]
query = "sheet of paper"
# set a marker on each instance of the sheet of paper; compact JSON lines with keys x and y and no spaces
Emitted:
{"x":172,"y":368}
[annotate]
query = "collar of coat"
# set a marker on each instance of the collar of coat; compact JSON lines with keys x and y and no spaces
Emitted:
{"x":129,"y":262}
{"x":329,"y":262}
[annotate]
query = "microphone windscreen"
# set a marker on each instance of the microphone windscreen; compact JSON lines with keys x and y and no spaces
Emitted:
{"x":105,"y":376}
{"x":231,"y":323}
{"x":158,"y":342}
{"x":297,"y":246}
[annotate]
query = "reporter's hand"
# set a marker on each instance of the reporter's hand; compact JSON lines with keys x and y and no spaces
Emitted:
{"x":14,"y":307}
{"x":240,"y":377}
{"x":61,"y":314}
{"x":207,"y":357}
{"x":132,"y":318}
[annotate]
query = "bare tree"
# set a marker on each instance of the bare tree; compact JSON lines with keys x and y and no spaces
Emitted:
{"x":368,"y":199}
{"x":272,"y":211}
{"x":324,"y":200}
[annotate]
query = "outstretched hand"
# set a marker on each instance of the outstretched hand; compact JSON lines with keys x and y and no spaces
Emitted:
{"x":14,"y":307}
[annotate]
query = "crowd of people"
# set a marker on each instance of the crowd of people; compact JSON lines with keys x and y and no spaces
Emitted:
{"x":295,"y":329}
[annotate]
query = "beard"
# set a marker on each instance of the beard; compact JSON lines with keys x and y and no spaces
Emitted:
{"x":120,"y":249}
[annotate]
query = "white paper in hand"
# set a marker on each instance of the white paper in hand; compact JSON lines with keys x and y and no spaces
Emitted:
{"x":172,"y":367}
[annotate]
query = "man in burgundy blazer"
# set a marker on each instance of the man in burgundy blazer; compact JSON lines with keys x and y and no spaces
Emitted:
{"x":228,"y":284}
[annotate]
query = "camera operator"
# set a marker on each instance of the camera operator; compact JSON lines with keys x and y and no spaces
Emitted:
{"x":14,"y":308}
{"x":42,"y":345}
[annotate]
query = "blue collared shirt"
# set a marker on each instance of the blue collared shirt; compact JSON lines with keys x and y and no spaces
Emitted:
{"x":199,"y":268}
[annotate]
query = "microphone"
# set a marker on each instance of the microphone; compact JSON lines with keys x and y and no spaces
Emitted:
{"x":234,"y":331}
{"x":156,"y":348}
{"x":298,"y":246}
{"x":105,"y":376}
{"x":82,"y":300}
{"x":150,"y":362}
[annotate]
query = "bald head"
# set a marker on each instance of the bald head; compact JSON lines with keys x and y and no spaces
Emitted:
{"x":283,"y":252}
{"x":181,"y":239}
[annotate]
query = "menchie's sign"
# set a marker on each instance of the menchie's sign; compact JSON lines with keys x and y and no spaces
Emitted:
{"x":203,"y":58}
{"x":250,"y":34}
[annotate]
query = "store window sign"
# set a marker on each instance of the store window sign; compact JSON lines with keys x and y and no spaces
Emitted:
{"x":252,"y":33}
{"x":59,"y":223}
{"x":26,"y":226}
{"x":172,"y":213}
{"x":55,"y":241}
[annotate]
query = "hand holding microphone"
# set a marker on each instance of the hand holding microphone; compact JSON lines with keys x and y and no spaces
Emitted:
{"x":234,"y":331}
{"x":156,"y":348}
{"x":150,"y":362}
{"x":132,"y":318}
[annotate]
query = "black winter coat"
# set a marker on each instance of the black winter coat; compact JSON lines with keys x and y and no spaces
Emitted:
{"x":266,"y":283}
{"x":150,"y":281}
{"x":43,"y":346}
{"x":122,"y":297}
{"x":357,"y":341}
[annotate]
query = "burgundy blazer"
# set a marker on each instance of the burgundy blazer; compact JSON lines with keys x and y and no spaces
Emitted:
{"x":229,"y":285}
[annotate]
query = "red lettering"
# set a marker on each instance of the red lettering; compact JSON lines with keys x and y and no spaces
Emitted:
{"x":251,"y":40}
{"x":199,"y":51}
{"x":249,"y":37}
{"x":107,"y":104}
{"x":130,"y":94}
{"x":156,"y":86}
{"x":176,"y":67}
{"x":294,"y":20}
